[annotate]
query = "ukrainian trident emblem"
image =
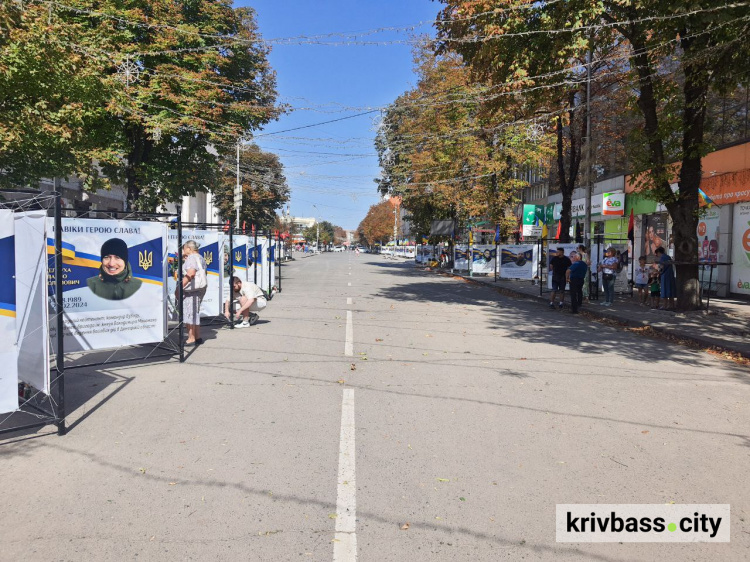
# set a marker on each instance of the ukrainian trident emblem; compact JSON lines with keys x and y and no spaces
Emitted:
{"x":208,"y":257}
{"x":145,"y":260}
{"x":238,"y":256}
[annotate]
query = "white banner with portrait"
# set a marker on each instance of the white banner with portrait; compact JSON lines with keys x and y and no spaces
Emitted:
{"x":518,"y":261}
{"x":114,"y":289}
{"x":211,"y":248}
{"x":8,"y":348}
{"x":484,"y":259}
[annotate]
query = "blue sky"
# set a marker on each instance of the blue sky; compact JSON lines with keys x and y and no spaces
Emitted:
{"x":334,"y":165}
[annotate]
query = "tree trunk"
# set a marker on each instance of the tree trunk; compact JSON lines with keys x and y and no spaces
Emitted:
{"x":685,"y":212}
{"x":684,"y":209}
{"x":139,"y":149}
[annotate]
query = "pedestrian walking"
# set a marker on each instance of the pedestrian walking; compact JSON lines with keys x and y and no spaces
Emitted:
{"x":608,"y":268}
{"x":558,"y":266}
{"x":576,"y":275}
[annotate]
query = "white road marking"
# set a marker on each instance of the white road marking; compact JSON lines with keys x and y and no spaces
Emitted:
{"x":349,"y":344}
{"x":349,"y":300}
{"x":345,"y":543}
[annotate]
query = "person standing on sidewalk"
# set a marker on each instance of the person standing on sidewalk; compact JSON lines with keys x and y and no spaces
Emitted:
{"x":576,"y":276}
{"x":641,"y":281}
{"x":668,"y":284}
{"x":558,"y":266}
{"x":608,"y":268}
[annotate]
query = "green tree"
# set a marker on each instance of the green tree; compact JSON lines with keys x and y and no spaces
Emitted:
{"x":203,"y":83}
{"x":449,"y":156}
{"x":677,"y":52}
{"x":54,"y":119}
{"x":175,"y":85}
{"x":324,"y":232}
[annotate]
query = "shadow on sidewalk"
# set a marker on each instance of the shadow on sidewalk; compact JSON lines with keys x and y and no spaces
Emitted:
{"x":533,"y":322}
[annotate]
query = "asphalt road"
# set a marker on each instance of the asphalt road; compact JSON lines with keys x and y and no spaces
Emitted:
{"x":371,"y":395}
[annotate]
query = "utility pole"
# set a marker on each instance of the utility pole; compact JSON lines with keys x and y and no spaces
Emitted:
{"x":589,"y":184}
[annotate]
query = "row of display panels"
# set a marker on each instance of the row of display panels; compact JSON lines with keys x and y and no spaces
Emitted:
{"x":119,"y":279}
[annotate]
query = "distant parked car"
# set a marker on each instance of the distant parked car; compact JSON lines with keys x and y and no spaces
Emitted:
{"x":338,"y":249}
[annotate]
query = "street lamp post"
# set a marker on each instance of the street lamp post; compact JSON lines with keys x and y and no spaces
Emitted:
{"x":317,"y":229}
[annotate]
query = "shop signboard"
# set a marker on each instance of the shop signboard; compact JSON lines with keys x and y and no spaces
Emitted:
{"x":613,"y":204}
{"x":533,"y":219}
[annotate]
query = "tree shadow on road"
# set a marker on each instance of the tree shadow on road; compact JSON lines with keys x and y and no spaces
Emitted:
{"x":533,"y":322}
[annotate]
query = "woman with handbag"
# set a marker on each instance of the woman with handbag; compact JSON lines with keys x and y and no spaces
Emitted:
{"x":193,"y":289}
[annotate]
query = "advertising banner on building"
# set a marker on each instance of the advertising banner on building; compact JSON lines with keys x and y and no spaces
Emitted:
{"x":518,"y":262}
{"x":8,"y":349}
{"x":533,"y":220}
{"x":32,"y":325}
{"x":114,"y":289}
{"x":613,"y":204}
{"x":740,"y":277}
{"x":654,"y":235}
{"x":212,"y":250}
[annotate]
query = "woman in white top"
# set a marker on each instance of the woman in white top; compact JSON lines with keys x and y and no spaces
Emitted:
{"x":193,"y":289}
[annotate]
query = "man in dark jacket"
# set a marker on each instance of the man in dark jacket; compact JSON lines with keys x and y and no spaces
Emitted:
{"x":115,"y":280}
{"x":558,"y":266}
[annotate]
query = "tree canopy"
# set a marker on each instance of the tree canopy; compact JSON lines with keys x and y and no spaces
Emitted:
{"x":377,"y":226}
{"x":264,"y":187}
{"x":153,"y":95}
{"x":448,"y":156}
{"x":675,"y":54}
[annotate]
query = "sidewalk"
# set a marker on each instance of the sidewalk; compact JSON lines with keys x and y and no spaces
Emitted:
{"x":725,"y":325}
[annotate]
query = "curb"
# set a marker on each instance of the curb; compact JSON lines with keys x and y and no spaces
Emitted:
{"x":625,"y":322}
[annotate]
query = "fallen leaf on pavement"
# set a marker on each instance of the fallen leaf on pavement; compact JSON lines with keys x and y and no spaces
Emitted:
{"x":353,"y":367}
{"x":173,"y":483}
{"x":143,"y":470}
{"x":378,"y":339}
{"x":341,"y":381}
{"x":443,"y":479}
{"x":645,"y":431}
{"x":405,"y":527}
{"x":462,"y":499}
{"x":332,"y":516}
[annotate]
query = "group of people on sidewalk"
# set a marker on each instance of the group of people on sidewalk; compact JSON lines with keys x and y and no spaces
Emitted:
{"x":656,"y":281}
{"x":248,"y":297}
